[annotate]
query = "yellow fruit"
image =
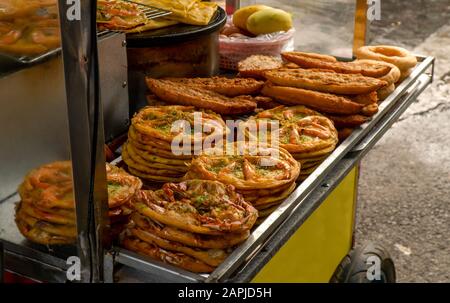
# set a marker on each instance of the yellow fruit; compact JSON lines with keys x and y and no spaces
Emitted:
{"x":268,"y":21}
{"x":241,"y":15}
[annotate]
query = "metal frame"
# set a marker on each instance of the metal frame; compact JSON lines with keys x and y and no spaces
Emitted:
{"x":299,"y":201}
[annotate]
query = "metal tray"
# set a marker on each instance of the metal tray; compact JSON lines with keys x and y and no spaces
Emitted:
{"x":391,"y":108}
{"x":43,"y":263}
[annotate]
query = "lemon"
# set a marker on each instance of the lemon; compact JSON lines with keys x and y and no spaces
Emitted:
{"x":241,"y":15}
{"x":268,"y":21}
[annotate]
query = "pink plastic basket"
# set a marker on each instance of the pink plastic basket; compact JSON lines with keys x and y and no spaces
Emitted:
{"x":233,"y":50}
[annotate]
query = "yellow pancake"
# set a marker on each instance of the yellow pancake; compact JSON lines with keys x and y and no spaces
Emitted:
{"x":212,"y":257}
{"x":151,"y":177}
{"x":157,"y":172}
{"x":129,"y":153}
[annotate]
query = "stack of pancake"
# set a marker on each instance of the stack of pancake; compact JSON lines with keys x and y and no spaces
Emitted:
{"x":264,"y":176}
{"x":344,"y":91}
{"x":46,"y":213}
{"x":163,"y":139}
{"x":122,"y":187}
{"x":193,"y":225}
{"x":307,"y":135}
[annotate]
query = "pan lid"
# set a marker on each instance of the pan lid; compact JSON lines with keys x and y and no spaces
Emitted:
{"x":177,"y":33}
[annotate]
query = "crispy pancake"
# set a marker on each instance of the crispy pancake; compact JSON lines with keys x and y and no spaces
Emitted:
{"x":152,"y":177}
{"x":370,"y":110}
{"x":198,"y":206}
{"x":62,"y":230}
{"x":121,"y":187}
{"x":345,"y":84}
{"x":119,"y":15}
{"x":301,"y":129}
{"x":266,"y":102}
{"x":150,"y":171}
{"x":292,"y":55}
{"x":177,"y":259}
{"x":188,"y":238}
{"x":324,"y":102}
{"x":316,"y":61}
{"x":255,"y":66}
{"x":158,"y":121}
{"x":348,"y":121}
{"x":127,"y":149}
{"x":31,"y":210}
{"x":262,"y":168}
{"x":385,"y":92}
{"x":365,"y":99}
{"x":212,"y":257}
{"x":268,"y":200}
{"x":344,"y":133}
{"x":151,"y":155}
{"x":230,"y":87}
{"x":177,"y":93}
{"x":42,"y":237}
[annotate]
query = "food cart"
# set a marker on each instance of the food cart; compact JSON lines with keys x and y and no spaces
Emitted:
{"x":82,"y":102}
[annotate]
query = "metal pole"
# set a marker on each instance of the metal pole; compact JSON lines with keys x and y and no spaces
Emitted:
{"x":79,"y":51}
{"x":360,"y":30}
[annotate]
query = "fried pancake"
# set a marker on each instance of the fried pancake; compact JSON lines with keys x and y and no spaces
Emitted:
{"x":230,"y":87}
{"x":31,"y":210}
{"x":177,"y":93}
{"x":121,"y":187}
{"x":177,"y":259}
{"x":251,"y":169}
{"x":324,"y":102}
{"x":49,"y":186}
{"x":370,"y":110}
{"x":198,"y":206}
{"x":301,"y":129}
{"x":392,"y":77}
{"x":151,"y":155}
{"x":341,"y":121}
{"x":255,"y":66}
{"x":148,"y":170}
{"x":155,"y":123}
{"x":152,"y":100}
{"x":344,"y":133}
{"x":316,"y":61}
{"x":62,"y":230}
{"x":293,"y":55}
{"x":262,"y":192}
{"x":263,"y":213}
{"x":366,"y":98}
{"x":160,"y":153}
{"x":385,"y":92}
{"x":315,"y":154}
{"x":212,"y":257}
{"x":345,"y":84}
{"x":136,"y":156}
{"x":39,"y":236}
{"x":188,"y":238}
{"x":151,"y":177}
{"x":267,"y":200}
{"x":266,"y":102}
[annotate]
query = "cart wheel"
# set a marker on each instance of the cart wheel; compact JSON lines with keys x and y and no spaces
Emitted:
{"x":370,"y":264}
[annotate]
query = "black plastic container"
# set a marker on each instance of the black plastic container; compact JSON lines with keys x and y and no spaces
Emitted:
{"x":176,"y":51}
